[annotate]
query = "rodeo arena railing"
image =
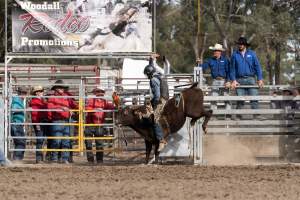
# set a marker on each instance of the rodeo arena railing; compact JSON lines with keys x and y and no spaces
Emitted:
{"x":2,"y":133}
{"x":275,"y":123}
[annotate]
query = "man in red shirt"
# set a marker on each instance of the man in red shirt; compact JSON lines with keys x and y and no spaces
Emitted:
{"x":97,"y":118}
{"x":39,"y":117}
{"x":60,"y":101}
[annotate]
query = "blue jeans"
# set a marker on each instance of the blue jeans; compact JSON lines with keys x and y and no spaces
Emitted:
{"x":60,"y":131}
{"x":94,"y":132}
{"x":2,"y":158}
{"x":216,"y":91}
{"x":18,"y":131}
{"x":40,"y":131}
{"x":158,"y":131}
{"x":247,"y":92}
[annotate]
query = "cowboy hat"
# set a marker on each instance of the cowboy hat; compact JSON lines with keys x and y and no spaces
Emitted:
{"x":60,"y":84}
{"x":242,"y":41}
{"x":22,"y":89}
{"x":98,"y":89}
{"x":217,"y":47}
{"x":37,"y":88}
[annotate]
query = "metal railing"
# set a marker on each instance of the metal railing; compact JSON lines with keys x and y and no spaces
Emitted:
{"x":80,"y":124}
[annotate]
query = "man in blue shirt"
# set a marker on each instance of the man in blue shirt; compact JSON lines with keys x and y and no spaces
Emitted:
{"x":18,"y":116}
{"x":244,"y":68}
{"x":219,"y":68}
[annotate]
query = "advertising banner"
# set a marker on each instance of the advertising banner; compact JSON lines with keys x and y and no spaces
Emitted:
{"x":82,"y":26}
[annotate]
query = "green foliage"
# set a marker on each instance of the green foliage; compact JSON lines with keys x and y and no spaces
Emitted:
{"x":267,"y":23}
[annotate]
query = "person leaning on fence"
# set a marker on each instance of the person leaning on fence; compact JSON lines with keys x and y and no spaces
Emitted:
{"x":3,"y":161}
{"x":38,"y":102}
{"x":18,"y":116}
{"x":287,"y":104}
{"x":296,"y":103}
{"x":244,"y":67}
{"x":72,"y":119}
{"x":160,"y":92}
{"x":59,"y":101}
{"x":219,"y":69}
{"x":49,"y":119}
{"x":96,"y":119}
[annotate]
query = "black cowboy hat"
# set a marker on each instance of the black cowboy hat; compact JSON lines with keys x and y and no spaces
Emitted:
{"x":22,"y":89}
{"x":60,"y":84}
{"x":243,"y":41}
{"x":98,"y":89}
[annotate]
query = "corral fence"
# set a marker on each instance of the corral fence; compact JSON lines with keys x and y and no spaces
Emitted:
{"x":277,"y":127}
{"x":79,"y":93}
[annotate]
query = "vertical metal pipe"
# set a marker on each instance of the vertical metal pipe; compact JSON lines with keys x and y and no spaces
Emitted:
{"x":5,"y":87}
{"x":154,"y":25}
{"x":6,"y":105}
{"x":81,"y":118}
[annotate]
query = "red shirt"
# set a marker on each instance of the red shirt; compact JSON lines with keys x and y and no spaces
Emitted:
{"x":58,"y":103}
{"x":38,"y":116}
{"x":97,"y":117}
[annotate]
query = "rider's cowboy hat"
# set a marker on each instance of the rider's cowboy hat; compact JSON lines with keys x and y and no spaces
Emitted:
{"x":37,"y":88}
{"x":98,"y":89}
{"x":59,"y":84}
{"x":242,"y":41}
{"x":217,"y":47}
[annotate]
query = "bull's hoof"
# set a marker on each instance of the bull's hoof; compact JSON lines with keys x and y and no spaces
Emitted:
{"x":150,"y":162}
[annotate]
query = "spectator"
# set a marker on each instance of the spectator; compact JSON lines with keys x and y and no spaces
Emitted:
{"x":219,"y":69}
{"x":275,"y":104}
{"x":96,"y":118}
{"x":48,"y":133}
{"x":296,"y":103}
{"x":287,"y":104}
{"x":3,"y":161}
{"x":244,"y":67}
{"x":39,"y":117}
{"x":109,"y":7}
{"x":17,"y":130}
{"x":2,"y":158}
{"x":73,"y":119}
{"x":62,"y":117}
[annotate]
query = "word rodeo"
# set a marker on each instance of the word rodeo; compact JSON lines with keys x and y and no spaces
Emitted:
{"x":70,"y":23}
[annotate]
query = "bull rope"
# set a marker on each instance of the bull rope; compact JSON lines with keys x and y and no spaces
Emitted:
{"x":123,"y":134}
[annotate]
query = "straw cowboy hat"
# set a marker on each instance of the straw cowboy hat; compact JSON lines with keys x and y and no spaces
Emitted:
{"x":60,"y":84}
{"x":98,"y":89}
{"x":242,"y":41}
{"x":37,"y":88}
{"x":217,"y":47}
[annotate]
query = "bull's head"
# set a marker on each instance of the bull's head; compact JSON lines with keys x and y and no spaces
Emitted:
{"x":125,"y":116}
{"x":131,"y":115}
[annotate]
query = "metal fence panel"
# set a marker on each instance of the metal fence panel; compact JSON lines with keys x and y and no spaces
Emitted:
{"x":2,"y":124}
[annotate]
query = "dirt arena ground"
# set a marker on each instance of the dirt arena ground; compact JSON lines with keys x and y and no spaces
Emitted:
{"x":60,"y":182}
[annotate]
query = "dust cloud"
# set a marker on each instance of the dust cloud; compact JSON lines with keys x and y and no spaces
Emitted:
{"x":227,"y":150}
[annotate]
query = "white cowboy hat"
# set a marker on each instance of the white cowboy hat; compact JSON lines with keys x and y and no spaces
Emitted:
{"x":217,"y":47}
{"x":37,"y":88}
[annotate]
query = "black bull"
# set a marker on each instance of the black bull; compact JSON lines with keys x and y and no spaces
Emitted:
{"x":174,"y":116}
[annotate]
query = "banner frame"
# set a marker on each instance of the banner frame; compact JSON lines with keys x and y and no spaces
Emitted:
{"x":82,"y":55}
